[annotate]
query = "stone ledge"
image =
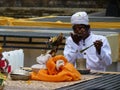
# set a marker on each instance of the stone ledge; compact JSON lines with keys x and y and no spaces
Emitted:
{"x":19,"y":12}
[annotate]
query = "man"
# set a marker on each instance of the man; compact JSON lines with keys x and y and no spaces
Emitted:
{"x":98,"y":56}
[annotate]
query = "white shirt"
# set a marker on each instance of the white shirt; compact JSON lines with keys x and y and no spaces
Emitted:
{"x":94,"y":61}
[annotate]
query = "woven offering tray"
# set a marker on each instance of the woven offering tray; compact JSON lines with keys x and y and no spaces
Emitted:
{"x":42,"y":85}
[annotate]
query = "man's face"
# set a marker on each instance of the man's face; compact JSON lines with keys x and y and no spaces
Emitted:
{"x":81,"y":30}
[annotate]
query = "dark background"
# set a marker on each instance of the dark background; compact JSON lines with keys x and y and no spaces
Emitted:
{"x":29,"y":8}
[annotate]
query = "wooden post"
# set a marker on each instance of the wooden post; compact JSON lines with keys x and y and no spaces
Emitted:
{"x":119,"y":48}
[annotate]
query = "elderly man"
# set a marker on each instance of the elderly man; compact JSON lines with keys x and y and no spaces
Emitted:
{"x":98,"y":56}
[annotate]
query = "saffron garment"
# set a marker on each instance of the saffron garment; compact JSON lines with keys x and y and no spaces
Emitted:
{"x":93,"y":59}
{"x":66,"y":72}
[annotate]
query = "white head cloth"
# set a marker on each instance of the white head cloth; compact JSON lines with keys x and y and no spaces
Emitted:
{"x":80,"y":18}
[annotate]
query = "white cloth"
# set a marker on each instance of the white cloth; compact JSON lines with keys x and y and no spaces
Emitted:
{"x":93,"y":60}
{"x":80,"y":18}
{"x":39,"y":66}
{"x":41,"y":60}
{"x":59,"y":63}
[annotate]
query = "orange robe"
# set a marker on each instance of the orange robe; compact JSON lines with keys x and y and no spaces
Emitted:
{"x":65,"y":73}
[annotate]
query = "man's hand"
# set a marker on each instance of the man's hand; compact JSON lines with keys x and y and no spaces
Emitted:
{"x":98,"y":44}
{"x":76,"y":38}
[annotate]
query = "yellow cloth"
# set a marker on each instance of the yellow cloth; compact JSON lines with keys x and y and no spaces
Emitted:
{"x":65,"y":73}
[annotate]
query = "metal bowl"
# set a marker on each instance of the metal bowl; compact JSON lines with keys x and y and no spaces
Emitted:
{"x":20,"y":75}
{"x":85,"y":71}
